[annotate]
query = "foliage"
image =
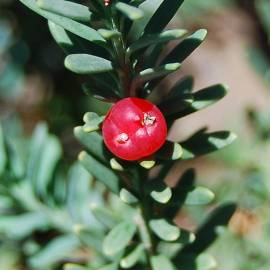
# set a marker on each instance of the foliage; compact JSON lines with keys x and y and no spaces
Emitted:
{"x":130,"y":223}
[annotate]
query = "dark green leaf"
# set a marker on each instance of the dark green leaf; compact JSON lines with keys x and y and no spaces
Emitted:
{"x":207,"y":234}
{"x":162,"y":16}
{"x":193,"y":262}
{"x":176,"y":105}
{"x":68,"y":9}
{"x":183,"y":86}
{"x":180,"y":193}
{"x":119,"y":238}
{"x":102,"y":93}
{"x":202,"y":143}
{"x":87,"y":64}
{"x":202,"y":99}
{"x":185,"y":47}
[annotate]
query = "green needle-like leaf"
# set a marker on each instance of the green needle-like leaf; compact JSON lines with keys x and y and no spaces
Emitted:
{"x":161,"y":262}
{"x":162,"y":16}
{"x":164,"y":230}
{"x":67,"y":9}
{"x":74,"y":27}
{"x":87,"y":64}
{"x":119,"y":238}
{"x":129,"y":11}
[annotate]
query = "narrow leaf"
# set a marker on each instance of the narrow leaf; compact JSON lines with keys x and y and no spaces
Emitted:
{"x":3,"y":157}
{"x":202,"y":143}
{"x":164,"y":230}
{"x":161,"y":262}
{"x":89,"y":238}
{"x":54,"y":252}
{"x":185,"y":47}
{"x":92,"y":122}
{"x":206,"y":233}
{"x":133,"y":257}
{"x":162,"y":16}
{"x":202,"y":99}
{"x":149,"y":40}
{"x":129,"y":11}
{"x":170,"y":151}
{"x":74,"y":27}
{"x":100,"y":172}
{"x":67,"y":9}
{"x":199,"y":196}
{"x":127,"y":197}
{"x":183,"y":86}
{"x":20,"y":226}
{"x":104,"y":216}
{"x":71,"y":266}
{"x":118,"y":238}
{"x":112,"y":266}
{"x":93,"y":142}
{"x":102,"y":93}
{"x":87,"y":64}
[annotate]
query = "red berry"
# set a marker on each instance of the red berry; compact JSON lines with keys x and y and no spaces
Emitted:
{"x":134,"y":128}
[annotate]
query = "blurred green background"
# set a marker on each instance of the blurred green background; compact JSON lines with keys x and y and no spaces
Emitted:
{"x":35,"y":88}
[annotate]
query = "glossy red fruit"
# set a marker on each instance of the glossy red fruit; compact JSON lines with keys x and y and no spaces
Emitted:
{"x":134,"y":128}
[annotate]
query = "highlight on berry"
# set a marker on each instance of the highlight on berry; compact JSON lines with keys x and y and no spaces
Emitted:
{"x":107,"y":3}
